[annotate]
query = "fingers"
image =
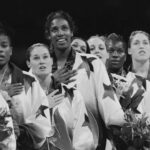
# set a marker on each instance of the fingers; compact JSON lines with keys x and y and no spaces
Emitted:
{"x":60,"y":71}
{"x":69,"y":81}
{"x":3,"y":111}
{"x":15,"y":89}
{"x":15,"y":86}
{"x":54,"y":92}
{"x":55,"y":100}
{"x":66,"y":77}
{"x":58,"y":96}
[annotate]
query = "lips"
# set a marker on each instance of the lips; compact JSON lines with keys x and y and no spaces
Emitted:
{"x":142,"y":52}
{"x":42,"y":67}
{"x":115,"y":62}
{"x":2,"y":57}
{"x":62,"y":40}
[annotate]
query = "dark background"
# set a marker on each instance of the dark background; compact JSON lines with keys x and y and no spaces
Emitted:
{"x":27,"y":18}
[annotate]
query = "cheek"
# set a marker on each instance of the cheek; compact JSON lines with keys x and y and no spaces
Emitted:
{"x":122,"y":58}
{"x":104,"y":51}
{"x":34,"y":66}
{"x":93,"y":51}
{"x":134,"y":50}
{"x":8,"y":53}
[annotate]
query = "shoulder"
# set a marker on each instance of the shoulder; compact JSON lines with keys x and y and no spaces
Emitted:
{"x":91,"y":58}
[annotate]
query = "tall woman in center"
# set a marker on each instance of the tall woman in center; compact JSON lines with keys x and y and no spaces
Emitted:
{"x":85,"y":72}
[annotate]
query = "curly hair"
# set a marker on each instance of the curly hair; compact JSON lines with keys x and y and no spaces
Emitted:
{"x":8,"y":31}
{"x":58,"y":14}
{"x":116,"y":38}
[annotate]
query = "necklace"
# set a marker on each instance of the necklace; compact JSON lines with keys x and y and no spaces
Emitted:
{"x":3,"y":76}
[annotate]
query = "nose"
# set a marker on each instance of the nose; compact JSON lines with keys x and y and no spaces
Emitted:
{"x":97,"y":51}
{"x":141,"y":45}
{"x":41,"y":61}
{"x":115,"y":54}
{"x":60,"y":32}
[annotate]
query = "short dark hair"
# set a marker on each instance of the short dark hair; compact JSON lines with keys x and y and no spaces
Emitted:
{"x":58,"y":14}
{"x":116,"y":38}
{"x":8,"y":31}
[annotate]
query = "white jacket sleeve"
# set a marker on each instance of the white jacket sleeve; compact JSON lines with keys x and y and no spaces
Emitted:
{"x":108,"y":103}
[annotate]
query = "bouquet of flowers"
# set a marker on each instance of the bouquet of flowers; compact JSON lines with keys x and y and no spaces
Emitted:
{"x":129,"y":92}
{"x":134,"y":134}
{"x":4,"y":130}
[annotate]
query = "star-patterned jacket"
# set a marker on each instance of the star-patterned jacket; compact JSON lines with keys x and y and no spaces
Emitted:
{"x":71,"y":122}
{"x":144,"y":105}
{"x":30,"y":110}
{"x":93,"y":83}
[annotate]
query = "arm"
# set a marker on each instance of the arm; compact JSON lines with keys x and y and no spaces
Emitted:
{"x":32,"y":115}
{"x":108,"y":103}
{"x":85,"y":133}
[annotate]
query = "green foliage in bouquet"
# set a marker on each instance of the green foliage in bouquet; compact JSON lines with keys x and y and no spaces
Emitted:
{"x":136,"y":130}
{"x":134,"y":134}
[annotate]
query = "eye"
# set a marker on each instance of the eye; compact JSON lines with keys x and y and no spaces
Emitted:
{"x":46,"y":56}
{"x":135,"y":42}
{"x":65,"y":28}
{"x":36,"y":58}
{"x":119,"y":51}
{"x":101,"y":48}
{"x":54,"y":29}
{"x":111,"y":51}
{"x":4,"y":45}
{"x":75,"y":45}
{"x":145,"y":42}
{"x":83,"y":48}
{"x":92,"y":47}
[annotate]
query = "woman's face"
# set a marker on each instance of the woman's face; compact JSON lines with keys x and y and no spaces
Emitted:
{"x":5,"y":49}
{"x":98,"y":47}
{"x":40,"y":61}
{"x":79,"y":45}
{"x":60,"y":34}
{"x":139,"y":47}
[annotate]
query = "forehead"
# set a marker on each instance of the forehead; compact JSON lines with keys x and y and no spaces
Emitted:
{"x":79,"y":41}
{"x":59,"y":22}
{"x":139,"y":36}
{"x":40,"y":50}
{"x":4,"y":38}
{"x":116,"y":44}
{"x":96,"y":41}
